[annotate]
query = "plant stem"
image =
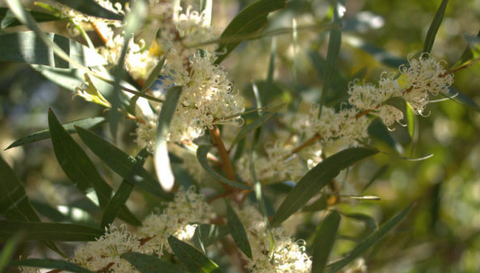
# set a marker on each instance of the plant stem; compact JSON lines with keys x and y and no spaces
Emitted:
{"x":222,"y":151}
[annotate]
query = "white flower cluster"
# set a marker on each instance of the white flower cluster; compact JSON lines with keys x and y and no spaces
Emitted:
{"x":207,"y":96}
{"x":104,"y":253}
{"x":423,"y":77}
{"x":179,"y":219}
{"x":288,"y":255}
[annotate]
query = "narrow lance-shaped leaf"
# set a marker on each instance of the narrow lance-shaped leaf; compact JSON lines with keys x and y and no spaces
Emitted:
{"x":49,"y":231}
{"x":27,"y":47}
{"x":325,"y":238}
{"x":160,"y":156}
{"x":372,"y":239}
{"x":238,"y":231}
{"x":51,"y":264}
{"x":334,"y":43}
{"x":79,"y":168}
{"x":9,"y":249}
{"x":206,"y":235}
{"x":121,"y":163}
{"x":150,"y":263}
{"x":194,"y":260}
{"x":90,"y":7}
{"x":202,"y":152}
{"x":87,"y":123}
{"x":434,"y":26}
{"x":14,"y":203}
{"x":7,"y":19}
{"x":310,"y":184}
{"x":133,"y":21}
{"x":247,"y":23}
{"x":122,"y":194}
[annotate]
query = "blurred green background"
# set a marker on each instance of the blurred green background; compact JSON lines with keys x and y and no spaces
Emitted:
{"x":442,"y":232}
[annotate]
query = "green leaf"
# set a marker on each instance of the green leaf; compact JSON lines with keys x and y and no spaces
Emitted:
{"x":325,"y":238}
{"x":310,"y":184}
{"x":246,"y":24}
{"x":434,"y":26}
{"x":372,"y":239}
{"x":154,"y":74}
{"x":133,"y":21}
{"x":50,"y":263}
{"x":378,"y":130}
{"x":79,"y":168}
{"x":334,"y":44}
{"x":92,"y":8}
{"x":461,"y":99}
{"x":72,"y":78}
{"x":150,"y":264}
{"x":87,"y":123}
{"x":14,"y":203}
{"x":8,"y":250}
{"x":320,"y":204}
{"x":471,"y":52}
{"x":121,"y":196}
{"x":379,"y":173}
{"x":121,"y":163}
{"x":257,"y":122}
{"x":49,"y":231}
{"x":238,"y":231}
{"x":193,"y":259}
{"x":160,"y":156}
{"x":27,"y":47}
{"x":75,"y":162}
{"x":202,"y":152}
{"x":7,"y":19}
{"x":368,"y":220}
{"x":206,"y":235}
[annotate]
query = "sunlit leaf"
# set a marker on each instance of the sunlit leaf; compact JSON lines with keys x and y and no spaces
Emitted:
{"x":7,"y":19}
{"x":247,"y":23}
{"x":369,"y":241}
{"x":27,"y":47}
{"x":150,"y":263}
{"x":160,"y":157}
{"x":318,"y":177}
{"x":90,"y":7}
{"x":121,"y":163}
{"x":50,"y":263}
{"x":206,"y":235}
{"x":325,"y":238}
{"x":193,"y":259}
{"x":49,"y":231}
{"x":202,"y":152}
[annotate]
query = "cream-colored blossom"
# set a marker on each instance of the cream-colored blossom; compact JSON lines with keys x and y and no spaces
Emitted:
{"x":179,"y":219}
{"x":106,"y":250}
{"x":288,"y":255}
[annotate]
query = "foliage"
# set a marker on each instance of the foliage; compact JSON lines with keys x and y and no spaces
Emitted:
{"x":299,"y":159}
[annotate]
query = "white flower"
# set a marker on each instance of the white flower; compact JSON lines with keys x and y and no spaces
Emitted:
{"x":179,"y":219}
{"x":105,"y":251}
